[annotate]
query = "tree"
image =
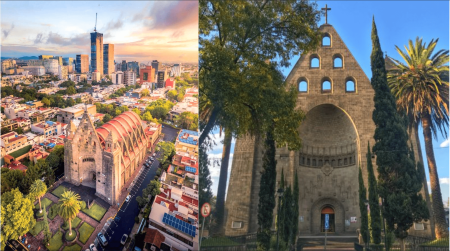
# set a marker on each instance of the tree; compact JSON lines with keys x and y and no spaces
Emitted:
{"x":17,"y":215}
{"x":172,"y":95}
{"x":398,"y":179}
{"x":180,"y":97}
{"x":156,"y":185}
{"x":267,"y":192}
{"x":186,"y":120}
{"x":204,"y":192}
{"x":296,"y":210}
{"x":362,"y":207}
{"x":19,"y":130}
{"x":46,"y":102}
{"x":159,"y":112}
{"x":69,"y":205}
{"x":56,"y":158}
{"x":38,"y":189}
{"x":47,"y":232}
{"x":221,"y":188}
{"x":137,"y":111}
{"x":71,"y":90}
{"x":11,"y":179}
{"x":236,"y":38}
{"x":78,"y":100}
{"x":106,"y":118}
{"x":118,"y":112}
{"x":375,"y":217}
{"x":167,"y":150}
{"x":147,"y":116}
{"x":145,"y":92}
{"x":421,"y":89}
{"x":33,"y":173}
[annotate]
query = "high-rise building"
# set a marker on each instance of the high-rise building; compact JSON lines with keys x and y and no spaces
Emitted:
{"x":108,"y":59}
{"x":176,"y":70}
{"x":41,"y":57}
{"x":129,"y":77}
{"x":147,"y":75}
{"x":162,"y":76}
{"x":82,"y":65}
{"x":124,"y":65}
{"x":156,"y":65}
{"x":117,"y":78}
{"x":59,"y":58}
{"x":97,"y":52}
{"x":51,"y":66}
{"x":68,"y":61}
{"x":133,"y":66}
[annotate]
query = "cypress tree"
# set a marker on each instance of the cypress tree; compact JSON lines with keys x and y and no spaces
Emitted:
{"x":397,"y":173}
{"x":281,"y":213}
{"x":267,"y":192}
{"x":287,"y":210}
{"x":375,"y":216}
{"x":362,"y":207}
{"x":47,"y":232}
{"x":296,"y":194}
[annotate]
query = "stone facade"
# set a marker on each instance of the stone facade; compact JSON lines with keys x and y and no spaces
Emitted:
{"x":106,"y":157}
{"x":337,"y":98}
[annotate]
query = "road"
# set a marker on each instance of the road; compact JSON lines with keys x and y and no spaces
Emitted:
{"x":129,"y":210}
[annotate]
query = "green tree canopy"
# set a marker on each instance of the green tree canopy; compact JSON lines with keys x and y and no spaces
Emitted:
{"x":69,"y":205}
{"x":236,"y":39}
{"x":17,"y":215}
{"x":38,"y":189}
{"x":167,"y":149}
{"x":187,"y":120}
{"x":71,"y":90}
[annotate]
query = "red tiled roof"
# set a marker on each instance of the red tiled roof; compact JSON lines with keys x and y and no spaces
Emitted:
{"x":154,"y":237}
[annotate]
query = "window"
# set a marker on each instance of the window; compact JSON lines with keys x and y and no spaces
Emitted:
{"x":326,"y":40}
{"x":236,"y":224}
{"x":303,"y":86}
{"x":418,"y":226}
{"x":315,"y":62}
{"x":337,"y":61}
{"x":350,"y":85}
{"x":326,"y":86}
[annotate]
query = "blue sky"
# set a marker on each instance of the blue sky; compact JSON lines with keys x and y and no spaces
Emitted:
{"x":397,"y":22}
{"x":140,"y":30}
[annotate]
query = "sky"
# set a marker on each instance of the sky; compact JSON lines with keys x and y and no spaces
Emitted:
{"x":140,"y":30}
{"x":397,"y":22}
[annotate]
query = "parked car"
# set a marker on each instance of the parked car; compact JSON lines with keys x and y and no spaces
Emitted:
{"x":102,"y":239}
{"x":154,"y":154}
{"x":128,"y":198}
{"x":92,"y":247}
{"x":123,"y":239}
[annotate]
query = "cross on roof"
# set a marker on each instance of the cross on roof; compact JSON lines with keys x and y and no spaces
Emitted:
{"x":326,"y":9}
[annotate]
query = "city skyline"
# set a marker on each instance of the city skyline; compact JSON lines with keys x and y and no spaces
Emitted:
{"x":140,"y":31}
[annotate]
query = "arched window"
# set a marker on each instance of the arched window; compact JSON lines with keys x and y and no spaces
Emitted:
{"x":326,"y":40}
{"x":315,"y":62}
{"x":326,"y":86}
{"x":337,"y":61}
{"x":350,"y":85}
{"x":303,"y":85}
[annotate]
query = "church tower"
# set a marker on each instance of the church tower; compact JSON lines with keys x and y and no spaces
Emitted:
{"x":337,"y":98}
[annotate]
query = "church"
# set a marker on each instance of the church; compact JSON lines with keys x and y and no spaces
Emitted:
{"x":337,"y":98}
{"x":104,"y":158}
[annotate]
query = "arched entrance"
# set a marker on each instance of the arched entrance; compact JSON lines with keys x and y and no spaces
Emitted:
{"x":330,"y":211}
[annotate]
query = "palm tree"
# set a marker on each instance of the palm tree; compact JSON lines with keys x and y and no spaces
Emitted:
{"x":38,"y":189}
{"x":422,"y":91}
{"x":69,"y":205}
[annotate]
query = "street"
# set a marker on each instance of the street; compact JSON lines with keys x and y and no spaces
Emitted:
{"x":129,"y":210}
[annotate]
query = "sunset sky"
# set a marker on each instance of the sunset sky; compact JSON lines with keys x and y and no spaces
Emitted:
{"x":141,"y":31}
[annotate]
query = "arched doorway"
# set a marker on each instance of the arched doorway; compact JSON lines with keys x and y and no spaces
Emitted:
{"x":330,"y":211}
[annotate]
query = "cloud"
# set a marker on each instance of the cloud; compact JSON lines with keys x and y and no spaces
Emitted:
{"x":55,"y":38}
{"x":112,"y":25}
{"x":7,"y":31}
{"x":38,"y":38}
{"x":445,"y":143}
{"x":178,"y":33}
{"x":168,"y":15}
{"x":444,"y":180}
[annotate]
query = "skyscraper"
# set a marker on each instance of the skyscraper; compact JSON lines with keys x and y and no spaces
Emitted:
{"x":108,"y":59}
{"x":82,"y":65}
{"x":42,"y":57}
{"x":97,"y":52}
{"x":156,"y":65}
{"x":124,"y":65}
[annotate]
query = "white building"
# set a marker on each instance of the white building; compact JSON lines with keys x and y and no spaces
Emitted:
{"x":51,"y":66}
{"x":176,"y":70}
{"x":129,"y":78}
{"x":47,"y":128}
{"x":117,"y":78}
